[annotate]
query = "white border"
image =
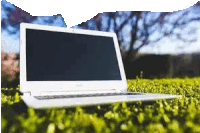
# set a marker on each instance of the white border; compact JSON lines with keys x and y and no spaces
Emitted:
{"x":43,"y":86}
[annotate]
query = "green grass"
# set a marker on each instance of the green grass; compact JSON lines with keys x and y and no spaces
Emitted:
{"x":178,"y":115}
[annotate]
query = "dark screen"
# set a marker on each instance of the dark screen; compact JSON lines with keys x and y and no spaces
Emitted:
{"x":58,"y":56}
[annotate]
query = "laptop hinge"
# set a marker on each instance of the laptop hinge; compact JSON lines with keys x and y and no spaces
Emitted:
{"x":27,"y":93}
{"x":73,"y":92}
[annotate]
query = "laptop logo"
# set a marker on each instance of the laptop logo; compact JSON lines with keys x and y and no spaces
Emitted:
{"x":79,"y":85}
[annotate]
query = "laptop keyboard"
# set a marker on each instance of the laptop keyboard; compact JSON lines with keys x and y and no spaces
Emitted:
{"x":83,"y":95}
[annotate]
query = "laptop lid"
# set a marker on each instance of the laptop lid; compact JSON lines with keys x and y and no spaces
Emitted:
{"x":60,"y":59}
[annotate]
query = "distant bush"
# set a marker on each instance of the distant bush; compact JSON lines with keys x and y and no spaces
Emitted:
{"x":9,"y":69}
{"x":160,"y":66}
{"x":178,"y":115}
{"x":152,"y":65}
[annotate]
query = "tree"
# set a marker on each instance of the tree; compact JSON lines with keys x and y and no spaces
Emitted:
{"x":13,"y":16}
{"x":135,"y":29}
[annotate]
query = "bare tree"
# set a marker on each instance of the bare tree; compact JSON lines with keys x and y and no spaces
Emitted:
{"x":143,"y":25}
{"x":134,"y":29}
{"x":13,"y":16}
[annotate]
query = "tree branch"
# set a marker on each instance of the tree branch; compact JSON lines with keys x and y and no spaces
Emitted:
{"x":124,"y":23}
{"x":109,"y":22}
{"x":133,"y":36}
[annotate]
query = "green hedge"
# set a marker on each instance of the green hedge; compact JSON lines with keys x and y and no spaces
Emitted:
{"x":178,"y":115}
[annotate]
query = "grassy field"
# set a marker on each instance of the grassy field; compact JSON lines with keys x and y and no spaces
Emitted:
{"x":178,"y":115}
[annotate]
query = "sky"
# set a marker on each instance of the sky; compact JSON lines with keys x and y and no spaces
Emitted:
{"x":168,"y":46}
{"x":11,"y":43}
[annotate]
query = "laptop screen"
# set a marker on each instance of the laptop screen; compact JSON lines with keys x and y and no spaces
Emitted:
{"x":59,"y":56}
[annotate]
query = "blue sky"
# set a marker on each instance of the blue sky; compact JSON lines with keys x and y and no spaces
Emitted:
{"x":10,"y":43}
{"x":166,"y":46}
{"x":169,"y":46}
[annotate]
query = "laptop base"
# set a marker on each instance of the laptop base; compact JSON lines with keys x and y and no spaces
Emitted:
{"x":31,"y":101}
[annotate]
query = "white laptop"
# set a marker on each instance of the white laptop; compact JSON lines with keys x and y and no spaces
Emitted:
{"x":62,"y":67}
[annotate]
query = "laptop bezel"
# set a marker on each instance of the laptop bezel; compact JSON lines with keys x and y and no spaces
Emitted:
{"x":57,"y":86}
